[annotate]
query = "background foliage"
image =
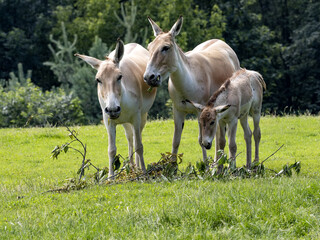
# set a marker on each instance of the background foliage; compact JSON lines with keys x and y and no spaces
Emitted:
{"x":280,"y":39}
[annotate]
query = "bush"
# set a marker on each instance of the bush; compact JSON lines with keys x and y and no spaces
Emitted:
{"x":27,"y":105}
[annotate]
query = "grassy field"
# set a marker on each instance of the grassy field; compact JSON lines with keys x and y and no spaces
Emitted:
{"x":262,"y":208}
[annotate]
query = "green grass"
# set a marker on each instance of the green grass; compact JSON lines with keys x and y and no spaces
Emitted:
{"x":264,"y":208}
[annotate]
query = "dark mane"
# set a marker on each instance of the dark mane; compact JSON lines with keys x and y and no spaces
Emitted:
{"x":213,"y":98}
{"x":223,"y":87}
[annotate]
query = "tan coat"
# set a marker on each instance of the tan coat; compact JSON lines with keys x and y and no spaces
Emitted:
{"x":194,"y":75}
{"x":123,"y":95}
{"x":238,"y":97}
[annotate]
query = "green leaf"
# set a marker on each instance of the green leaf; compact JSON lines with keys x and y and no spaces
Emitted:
{"x":297,"y":167}
{"x":232,"y":164}
{"x":65,"y":148}
{"x":223,"y":159}
{"x":71,"y":136}
{"x":116,"y":162}
{"x":201,"y":166}
{"x":128,"y":168}
{"x":55,"y":152}
{"x":255,"y":164}
{"x":55,"y":149}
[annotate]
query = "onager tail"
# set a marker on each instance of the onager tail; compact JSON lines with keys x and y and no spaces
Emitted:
{"x":262,"y":82}
{"x":260,"y":79}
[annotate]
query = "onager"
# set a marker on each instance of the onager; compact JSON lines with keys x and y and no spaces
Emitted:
{"x":194,"y":75}
{"x":123,"y":95}
{"x":236,"y":98}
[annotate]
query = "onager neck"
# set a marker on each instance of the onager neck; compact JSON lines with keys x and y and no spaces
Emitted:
{"x":182,"y":78}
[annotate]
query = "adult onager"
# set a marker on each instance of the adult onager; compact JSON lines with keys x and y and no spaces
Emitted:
{"x":194,"y":75}
{"x":123,"y":95}
{"x":236,"y":98}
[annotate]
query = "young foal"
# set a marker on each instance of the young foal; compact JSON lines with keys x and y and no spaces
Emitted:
{"x":123,"y":95}
{"x":236,"y":98}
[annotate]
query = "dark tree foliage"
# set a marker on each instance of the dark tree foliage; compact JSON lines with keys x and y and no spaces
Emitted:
{"x":278,"y":38}
{"x":24,"y":35}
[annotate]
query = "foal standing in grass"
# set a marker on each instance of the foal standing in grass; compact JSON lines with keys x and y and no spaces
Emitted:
{"x":123,"y":95}
{"x":236,"y":98}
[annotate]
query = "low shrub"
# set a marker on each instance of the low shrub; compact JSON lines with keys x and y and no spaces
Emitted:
{"x":28,"y":105}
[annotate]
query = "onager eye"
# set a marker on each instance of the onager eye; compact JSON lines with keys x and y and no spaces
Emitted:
{"x":211,"y":123}
{"x":98,"y":80}
{"x":119,"y":77}
{"x":165,"y":48}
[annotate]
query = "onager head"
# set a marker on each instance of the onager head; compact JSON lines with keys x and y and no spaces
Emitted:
{"x":163,"y":54}
{"x":209,"y":120}
{"x":108,"y":78}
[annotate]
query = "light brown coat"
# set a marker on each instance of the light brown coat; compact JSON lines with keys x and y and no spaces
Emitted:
{"x":194,"y":75}
{"x":238,"y":97}
{"x":123,"y":95}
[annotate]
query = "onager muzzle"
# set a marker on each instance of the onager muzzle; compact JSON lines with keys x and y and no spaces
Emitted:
{"x":113,"y":112}
{"x":207,"y":144}
{"x":153,"y":80}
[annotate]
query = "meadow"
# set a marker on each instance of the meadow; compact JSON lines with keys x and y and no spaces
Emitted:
{"x":259,"y":208}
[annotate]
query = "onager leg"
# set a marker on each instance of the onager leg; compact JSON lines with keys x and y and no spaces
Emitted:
{"x":178,"y":127}
{"x":247,"y":138}
{"x":256,"y":134}
{"x":142,"y":124}
{"x":220,"y":139}
{"x":204,"y":151}
{"x":232,"y":130}
{"x":112,"y":149}
{"x":138,"y":142}
{"x":129,"y":134}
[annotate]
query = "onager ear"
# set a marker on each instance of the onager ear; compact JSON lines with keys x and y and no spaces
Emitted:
{"x":197,"y":106}
{"x":156,"y":29}
{"x":93,"y":62}
{"x":222,"y":108}
{"x":175,"y":30}
{"x":119,"y":51}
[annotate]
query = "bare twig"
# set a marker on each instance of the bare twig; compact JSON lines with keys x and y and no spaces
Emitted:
{"x":272,"y":154}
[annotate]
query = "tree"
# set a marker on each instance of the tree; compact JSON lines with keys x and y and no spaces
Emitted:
{"x":64,"y":65}
{"x":302,"y":58}
{"x":24,"y":32}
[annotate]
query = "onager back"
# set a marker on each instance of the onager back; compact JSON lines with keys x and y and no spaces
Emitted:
{"x":123,"y":95}
{"x":236,"y":98}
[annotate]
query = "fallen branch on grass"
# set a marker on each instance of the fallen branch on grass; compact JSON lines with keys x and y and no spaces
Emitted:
{"x":165,"y":169}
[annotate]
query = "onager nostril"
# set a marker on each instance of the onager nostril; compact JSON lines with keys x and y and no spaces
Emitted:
{"x":118,"y":109}
{"x":106,"y":110}
{"x":152,"y":76}
{"x":207,"y":146}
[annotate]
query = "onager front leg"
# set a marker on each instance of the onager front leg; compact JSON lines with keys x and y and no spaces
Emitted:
{"x":232,"y":139}
{"x":112,"y":149}
{"x":138,"y":142}
{"x":220,"y":139}
{"x":204,"y":151}
{"x":178,"y":127}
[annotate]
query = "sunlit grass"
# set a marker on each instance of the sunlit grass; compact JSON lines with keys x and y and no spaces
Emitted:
{"x":264,"y":208}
